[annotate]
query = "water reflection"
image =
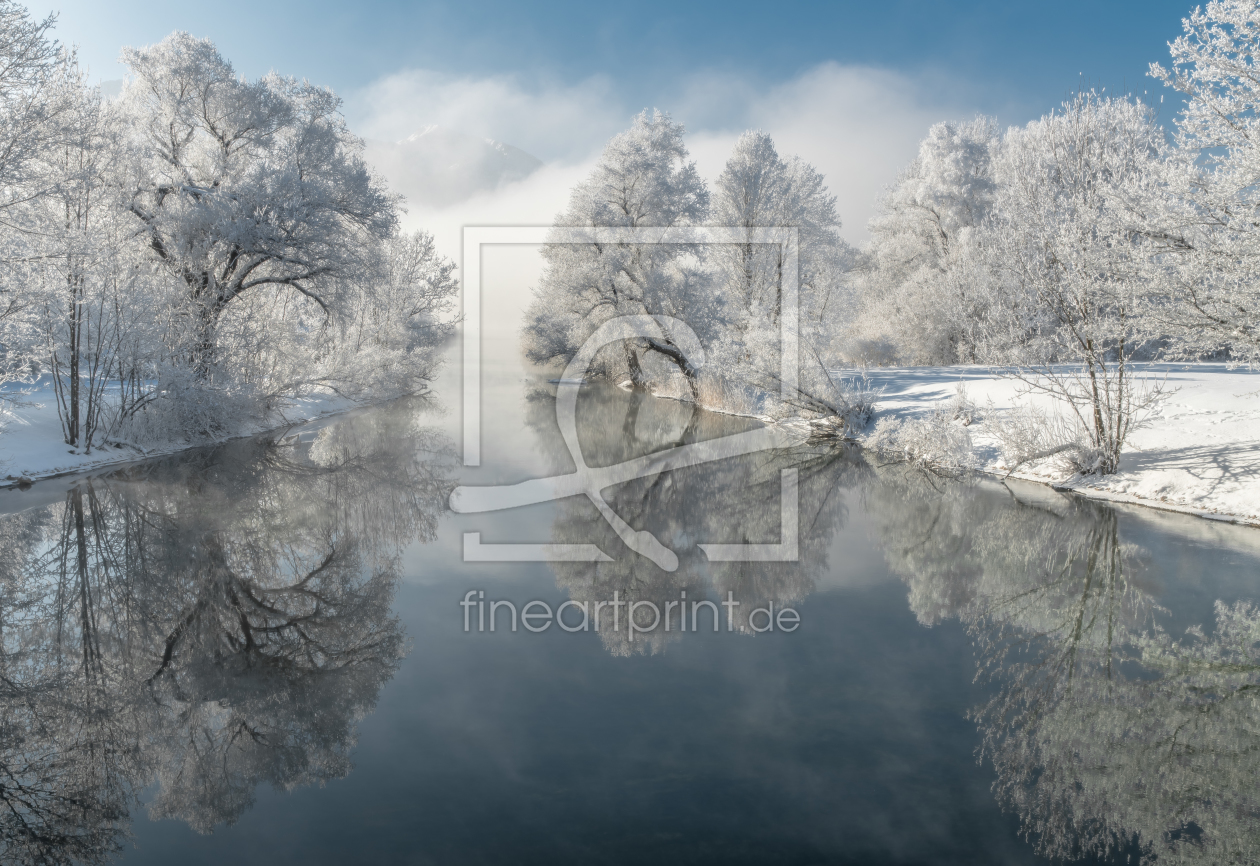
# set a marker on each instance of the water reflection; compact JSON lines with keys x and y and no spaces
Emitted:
{"x":735,"y":500}
{"x":193,"y":628}
{"x":206,"y":623}
{"x":1110,"y":735}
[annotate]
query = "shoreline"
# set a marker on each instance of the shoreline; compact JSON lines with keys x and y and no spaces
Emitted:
{"x":910,"y":392}
{"x":1115,"y":498}
{"x":28,"y":480}
{"x":905,"y":402}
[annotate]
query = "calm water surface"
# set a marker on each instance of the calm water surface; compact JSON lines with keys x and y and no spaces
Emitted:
{"x":256,"y":654}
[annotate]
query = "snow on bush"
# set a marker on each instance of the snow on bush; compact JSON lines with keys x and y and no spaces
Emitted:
{"x":1029,"y":435}
{"x":837,"y":407}
{"x":961,"y":408}
{"x":183,"y":411}
{"x":937,"y":441}
{"x":720,"y":393}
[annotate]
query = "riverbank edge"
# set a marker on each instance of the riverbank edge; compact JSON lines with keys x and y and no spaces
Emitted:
{"x":1075,"y":484}
{"x":28,"y":480}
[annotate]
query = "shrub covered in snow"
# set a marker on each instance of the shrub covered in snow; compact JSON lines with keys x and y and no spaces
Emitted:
{"x":936,"y":441}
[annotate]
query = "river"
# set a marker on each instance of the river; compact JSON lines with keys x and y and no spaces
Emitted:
{"x":257,"y":653}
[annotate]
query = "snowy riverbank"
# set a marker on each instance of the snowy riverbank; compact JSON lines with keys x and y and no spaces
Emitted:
{"x":32,"y":445}
{"x":1199,"y":452}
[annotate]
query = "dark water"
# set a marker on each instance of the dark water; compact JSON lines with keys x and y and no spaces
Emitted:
{"x":256,"y":654}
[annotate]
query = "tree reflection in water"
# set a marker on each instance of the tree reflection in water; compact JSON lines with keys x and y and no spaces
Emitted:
{"x":209,"y":623}
{"x":1109,"y":735}
{"x":728,"y":501}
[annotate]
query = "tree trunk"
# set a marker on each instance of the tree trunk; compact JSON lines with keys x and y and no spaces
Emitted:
{"x":674,"y":354}
{"x":637,"y":377}
{"x":76,"y":348}
{"x":203,"y":351}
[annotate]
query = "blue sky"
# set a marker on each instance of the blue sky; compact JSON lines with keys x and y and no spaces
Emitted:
{"x":1013,"y":57}
{"x":851,"y":87}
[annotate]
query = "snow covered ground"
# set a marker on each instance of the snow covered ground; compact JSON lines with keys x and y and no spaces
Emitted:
{"x":32,"y":445}
{"x":1199,"y":453}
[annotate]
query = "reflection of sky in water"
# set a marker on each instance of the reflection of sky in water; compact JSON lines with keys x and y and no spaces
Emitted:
{"x":847,"y":741}
{"x":544,"y":748}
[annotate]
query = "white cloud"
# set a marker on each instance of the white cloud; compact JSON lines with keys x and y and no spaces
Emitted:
{"x":858,"y":125}
{"x":555,"y":122}
{"x":534,"y":201}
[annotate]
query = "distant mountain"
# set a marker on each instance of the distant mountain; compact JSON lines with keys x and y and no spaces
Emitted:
{"x":439,"y":166}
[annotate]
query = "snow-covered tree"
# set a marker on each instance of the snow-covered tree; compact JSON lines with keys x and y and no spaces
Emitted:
{"x":1075,"y":190}
{"x":759,"y":189}
{"x":283,"y":269}
{"x":1210,"y":229}
{"x":29,"y":61}
{"x":920,"y":294}
{"x":90,"y":292}
{"x":28,"y":69}
{"x":246,"y":188}
{"x":643,"y":179}
{"x":388,"y":334}
{"x":184,"y":261}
